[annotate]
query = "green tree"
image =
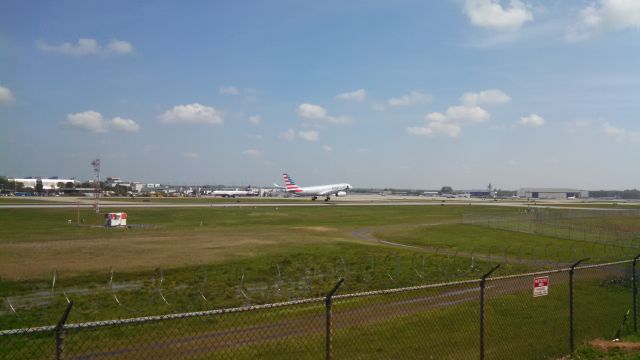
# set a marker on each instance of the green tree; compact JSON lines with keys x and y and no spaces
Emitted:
{"x":446,"y":190}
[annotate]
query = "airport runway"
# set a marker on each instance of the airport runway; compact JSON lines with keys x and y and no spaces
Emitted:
{"x":355,"y":200}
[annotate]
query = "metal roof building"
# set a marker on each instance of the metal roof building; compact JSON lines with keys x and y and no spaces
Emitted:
{"x":552,"y":193}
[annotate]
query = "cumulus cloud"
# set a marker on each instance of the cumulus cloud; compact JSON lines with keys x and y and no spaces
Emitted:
{"x":88,"y":47}
{"x":357,"y":95}
{"x":621,"y":134}
{"x":93,"y":121}
{"x":532,"y":120}
{"x":451,"y":122}
{"x":229,"y":90}
{"x":288,"y":135}
{"x":311,"y":111}
{"x":491,"y":96}
{"x":6,"y":96}
{"x":327,"y":148}
{"x":414,"y":97}
{"x":192,"y":114}
{"x":317,"y":112}
{"x":435,"y":128}
{"x":468,"y":114}
{"x":125,"y":125}
{"x":310,"y":135}
{"x":492,"y":14}
{"x":89,"y":120}
{"x":605,"y":15}
{"x":252,"y":152}
{"x":255,"y":119}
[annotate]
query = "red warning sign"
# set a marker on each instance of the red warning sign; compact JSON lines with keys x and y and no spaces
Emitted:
{"x":541,"y":286}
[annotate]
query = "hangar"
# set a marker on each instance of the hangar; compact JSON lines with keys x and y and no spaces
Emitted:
{"x":552,"y":193}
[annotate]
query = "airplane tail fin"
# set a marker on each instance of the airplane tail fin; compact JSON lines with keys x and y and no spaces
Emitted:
{"x":289,"y":184}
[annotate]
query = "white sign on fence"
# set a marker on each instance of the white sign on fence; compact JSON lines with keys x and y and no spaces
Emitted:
{"x":541,"y":286}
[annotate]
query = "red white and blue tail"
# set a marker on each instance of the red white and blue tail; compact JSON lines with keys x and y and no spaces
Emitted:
{"x":289,"y":184}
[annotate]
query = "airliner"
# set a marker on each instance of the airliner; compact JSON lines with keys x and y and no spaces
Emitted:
{"x":315,"y":191}
{"x":236,"y":192}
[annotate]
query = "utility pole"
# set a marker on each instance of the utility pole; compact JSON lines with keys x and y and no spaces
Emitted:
{"x":96,"y":187}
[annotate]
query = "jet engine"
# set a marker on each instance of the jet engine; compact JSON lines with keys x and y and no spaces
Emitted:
{"x":341,"y":193}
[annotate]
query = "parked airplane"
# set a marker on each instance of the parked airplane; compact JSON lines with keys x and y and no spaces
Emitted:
{"x":234,"y":193}
{"x":315,"y":191}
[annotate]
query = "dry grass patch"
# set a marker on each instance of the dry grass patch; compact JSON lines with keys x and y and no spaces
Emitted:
{"x":38,"y":259}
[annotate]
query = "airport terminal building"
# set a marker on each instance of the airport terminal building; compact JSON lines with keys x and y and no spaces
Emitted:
{"x":551,"y":193}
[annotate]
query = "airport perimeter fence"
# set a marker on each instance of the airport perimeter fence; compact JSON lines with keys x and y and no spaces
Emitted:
{"x":571,"y":225}
{"x":526,"y":316}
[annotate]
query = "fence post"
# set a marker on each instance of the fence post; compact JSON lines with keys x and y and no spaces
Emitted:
{"x":571,"y":341}
{"x":635,"y":295}
{"x":60,"y":332}
{"x":327,"y":302}
{"x":482,"y":284}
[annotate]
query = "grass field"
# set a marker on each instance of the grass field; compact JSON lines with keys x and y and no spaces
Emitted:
{"x":192,"y":259}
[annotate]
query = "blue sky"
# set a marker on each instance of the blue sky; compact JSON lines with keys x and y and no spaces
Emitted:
{"x":416,"y":94}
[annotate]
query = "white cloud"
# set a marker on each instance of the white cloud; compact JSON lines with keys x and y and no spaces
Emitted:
{"x":614,"y":14}
{"x":93,"y":121}
{"x":191,"y":155}
{"x":532,"y":120}
{"x":119,"y":47}
{"x":327,"y":148}
{"x":88,"y":47}
{"x":621,"y":134}
{"x":255,"y":119}
{"x":192,"y":114}
{"x":89,"y":120}
{"x":288,"y":135}
{"x":357,"y":95}
{"x":451,"y":122}
{"x":435,"y":128}
{"x":605,"y":15}
{"x":6,"y":96}
{"x":310,"y":135}
{"x":311,"y":111}
{"x":414,"y":97}
{"x":252,"y":152}
{"x":491,"y":96}
{"x":125,"y":125}
{"x":491,"y":14}
{"x":229,"y":90}
{"x":460,"y":114}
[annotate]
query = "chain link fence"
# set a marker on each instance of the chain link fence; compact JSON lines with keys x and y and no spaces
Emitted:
{"x":525,"y":316}
{"x":607,"y":227}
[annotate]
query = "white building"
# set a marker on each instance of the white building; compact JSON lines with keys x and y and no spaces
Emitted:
{"x":47,"y":184}
{"x":552,"y":193}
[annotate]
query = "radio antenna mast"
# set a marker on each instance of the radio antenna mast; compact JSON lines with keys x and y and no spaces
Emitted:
{"x":96,"y":186}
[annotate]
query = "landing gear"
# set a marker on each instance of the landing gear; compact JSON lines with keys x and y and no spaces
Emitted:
{"x":314,"y":198}
{"x":327,"y":199}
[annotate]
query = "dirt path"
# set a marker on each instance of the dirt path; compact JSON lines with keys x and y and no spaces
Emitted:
{"x":366,"y":234}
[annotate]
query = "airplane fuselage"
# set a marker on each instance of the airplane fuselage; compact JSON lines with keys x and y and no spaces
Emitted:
{"x":321,"y":190}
